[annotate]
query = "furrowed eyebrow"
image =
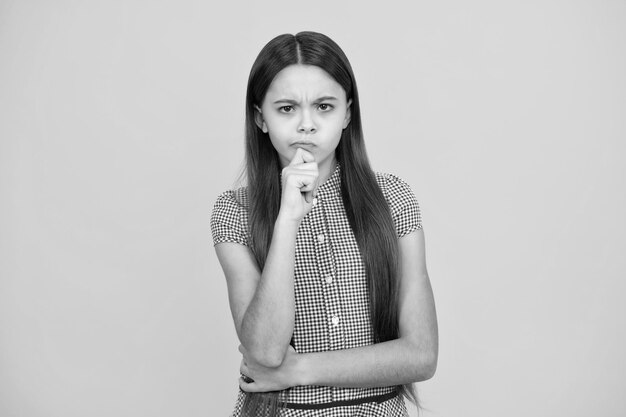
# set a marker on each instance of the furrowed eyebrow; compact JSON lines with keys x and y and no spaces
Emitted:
{"x":285,"y":101}
{"x":326,"y":98}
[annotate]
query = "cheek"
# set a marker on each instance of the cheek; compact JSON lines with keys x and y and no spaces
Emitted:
{"x":279,"y":141}
{"x":339,"y":121}
{"x":277,"y":136}
{"x":278,"y":128}
{"x":338,"y":126}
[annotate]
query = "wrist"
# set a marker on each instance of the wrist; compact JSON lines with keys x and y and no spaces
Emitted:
{"x":303,"y":368}
{"x":287,"y":221}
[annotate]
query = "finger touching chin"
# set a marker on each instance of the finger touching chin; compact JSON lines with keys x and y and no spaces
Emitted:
{"x":247,"y":386}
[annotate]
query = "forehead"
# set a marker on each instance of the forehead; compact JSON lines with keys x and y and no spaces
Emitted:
{"x":304,"y":81}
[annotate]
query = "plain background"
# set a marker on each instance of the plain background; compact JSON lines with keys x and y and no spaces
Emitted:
{"x":121,"y":121}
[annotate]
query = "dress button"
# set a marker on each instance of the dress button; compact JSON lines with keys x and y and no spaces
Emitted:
{"x":314,"y":201}
{"x":321,"y":238}
{"x":328,"y":279}
{"x":335,"y":320}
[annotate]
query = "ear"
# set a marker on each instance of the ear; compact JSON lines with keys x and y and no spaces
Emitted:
{"x":258,"y":118}
{"x":346,"y":121}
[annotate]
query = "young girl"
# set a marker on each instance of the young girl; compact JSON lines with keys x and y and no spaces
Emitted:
{"x":323,"y":257}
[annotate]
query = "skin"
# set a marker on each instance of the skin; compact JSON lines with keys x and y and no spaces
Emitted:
{"x":304,"y":113}
{"x":304,"y":108}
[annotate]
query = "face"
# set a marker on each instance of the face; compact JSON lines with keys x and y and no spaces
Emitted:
{"x":304,"y":107}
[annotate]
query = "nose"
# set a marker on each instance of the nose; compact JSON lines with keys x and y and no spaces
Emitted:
{"x":306,"y":125}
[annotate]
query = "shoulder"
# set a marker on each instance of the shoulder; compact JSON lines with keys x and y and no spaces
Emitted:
{"x":232,"y":199}
{"x":229,"y":218}
{"x":402,"y":202}
{"x":386,"y":179}
{"x":394,"y":188}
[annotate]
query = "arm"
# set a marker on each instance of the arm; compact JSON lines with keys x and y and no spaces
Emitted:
{"x":410,"y":358}
{"x":262,"y":302}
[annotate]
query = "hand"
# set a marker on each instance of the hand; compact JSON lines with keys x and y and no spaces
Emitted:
{"x":269,"y":379}
{"x":299,"y":182}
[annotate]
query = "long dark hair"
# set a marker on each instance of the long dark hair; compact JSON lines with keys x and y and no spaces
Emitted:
{"x":367,"y":210}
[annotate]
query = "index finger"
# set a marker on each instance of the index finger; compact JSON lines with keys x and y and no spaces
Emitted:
{"x":302,"y":156}
{"x":247,"y":384}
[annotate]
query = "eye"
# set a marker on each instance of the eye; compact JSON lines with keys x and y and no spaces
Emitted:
{"x":286,"y":109}
{"x":325,"y":107}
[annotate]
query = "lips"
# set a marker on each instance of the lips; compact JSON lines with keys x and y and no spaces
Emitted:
{"x":303,"y":144}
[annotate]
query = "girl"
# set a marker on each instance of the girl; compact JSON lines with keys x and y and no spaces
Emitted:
{"x":324,"y":259}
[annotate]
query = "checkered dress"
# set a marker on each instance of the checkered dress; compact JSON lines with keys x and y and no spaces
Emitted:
{"x":332,"y":304}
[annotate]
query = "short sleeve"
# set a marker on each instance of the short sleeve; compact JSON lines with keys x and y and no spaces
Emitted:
{"x":405,"y":210}
{"x":229,"y":220}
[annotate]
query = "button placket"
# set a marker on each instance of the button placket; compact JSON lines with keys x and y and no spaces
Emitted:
{"x":327,"y":271}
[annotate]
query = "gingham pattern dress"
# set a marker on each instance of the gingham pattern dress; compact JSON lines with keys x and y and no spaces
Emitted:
{"x":332,"y":307}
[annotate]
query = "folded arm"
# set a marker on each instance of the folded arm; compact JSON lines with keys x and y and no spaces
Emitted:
{"x":262,"y":303}
{"x":410,"y":358}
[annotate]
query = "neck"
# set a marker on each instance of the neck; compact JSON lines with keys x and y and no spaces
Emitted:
{"x":326,"y":168}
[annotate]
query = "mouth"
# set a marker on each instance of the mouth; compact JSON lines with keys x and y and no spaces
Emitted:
{"x":303,"y":144}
